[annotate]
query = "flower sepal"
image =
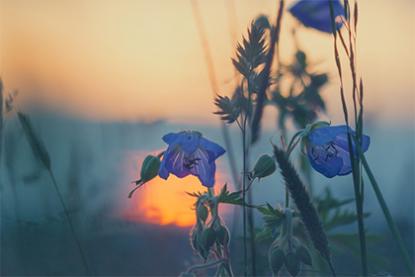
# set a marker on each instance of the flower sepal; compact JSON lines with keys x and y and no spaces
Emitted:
{"x":149,"y":170}
{"x":264,"y":167}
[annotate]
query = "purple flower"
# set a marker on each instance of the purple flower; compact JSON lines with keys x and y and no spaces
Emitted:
{"x":328,"y":150}
{"x":316,"y":13}
{"x":190,"y":153}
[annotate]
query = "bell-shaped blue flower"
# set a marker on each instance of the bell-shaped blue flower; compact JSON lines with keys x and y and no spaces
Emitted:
{"x":328,"y":149}
{"x":189,"y":153}
{"x":316,"y":14}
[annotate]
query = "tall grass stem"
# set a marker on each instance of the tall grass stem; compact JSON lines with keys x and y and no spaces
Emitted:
{"x":409,"y":263}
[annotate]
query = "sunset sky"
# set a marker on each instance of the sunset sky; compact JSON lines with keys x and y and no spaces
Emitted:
{"x":143,"y":59}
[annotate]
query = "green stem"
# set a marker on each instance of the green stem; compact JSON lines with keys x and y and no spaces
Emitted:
{"x":354,"y":162}
{"x":392,"y":226}
{"x":244,"y":199}
{"x":360,"y":220}
{"x":68,"y":218}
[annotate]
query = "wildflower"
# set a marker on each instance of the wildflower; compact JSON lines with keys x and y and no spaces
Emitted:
{"x":316,"y":14}
{"x":190,"y":153}
{"x":328,"y":149}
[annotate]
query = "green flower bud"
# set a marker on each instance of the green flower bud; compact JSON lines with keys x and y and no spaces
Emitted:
{"x":150,"y":168}
{"x":202,"y":212}
{"x":207,"y":239}
{"x":264,"y":167}
{"x":222,"y":235}
{"x":194,"y":237}
{"x":304,"y":255}
{"x":276,"y":259}
{"x":292,"y":264}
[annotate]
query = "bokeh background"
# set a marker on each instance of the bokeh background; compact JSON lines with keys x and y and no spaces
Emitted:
{"x":104,"y":80}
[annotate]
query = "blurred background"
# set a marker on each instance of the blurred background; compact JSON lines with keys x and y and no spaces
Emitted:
{"x":103,"y":81}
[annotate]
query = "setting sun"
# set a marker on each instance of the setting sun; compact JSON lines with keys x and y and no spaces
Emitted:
{"x":166,"y":201}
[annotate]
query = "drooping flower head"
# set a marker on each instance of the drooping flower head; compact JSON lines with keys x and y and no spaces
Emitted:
{"x":189,"y":153}
{"x":328,"y":149}
{"x":316,"y":13}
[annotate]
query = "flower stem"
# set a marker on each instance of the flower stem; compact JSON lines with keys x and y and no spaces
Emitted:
{"x":355,"y":163}
{"x":244,"y":199}
{"x":392,"y":226}
{"x":71,"y":226}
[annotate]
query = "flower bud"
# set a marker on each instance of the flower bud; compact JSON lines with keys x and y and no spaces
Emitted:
{"x":222,"y":235}
{"x":202,"y":212}
{"x":195,"y":234}
{"x":276,"y":259}
{"x":292,"y":263}
{"x":264,"y":167}
{"x":304,"y":255}
{"x":150,"y":168}
{"x":207,"y":239}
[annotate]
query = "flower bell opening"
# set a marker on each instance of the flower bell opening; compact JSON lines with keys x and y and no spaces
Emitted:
{"x":328,"y":149}
{"x":189,"y":153}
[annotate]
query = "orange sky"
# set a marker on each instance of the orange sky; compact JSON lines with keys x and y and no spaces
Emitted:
{"x":142,"y":59}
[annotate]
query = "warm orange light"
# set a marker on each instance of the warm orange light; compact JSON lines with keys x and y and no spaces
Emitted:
{"x":166,"y":202}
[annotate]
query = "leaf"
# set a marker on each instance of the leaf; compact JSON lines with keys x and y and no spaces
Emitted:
{"x":36,"y":144}
{"x":342,"y":218}
{"x":233,"y":198}
{"x":251,"y":53}
{"x":228,"y":110}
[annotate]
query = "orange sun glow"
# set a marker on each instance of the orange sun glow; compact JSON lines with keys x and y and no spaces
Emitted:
{"x":165,"y":202}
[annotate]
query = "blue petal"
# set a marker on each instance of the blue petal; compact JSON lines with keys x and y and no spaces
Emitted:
{"x":214,"y":149}
{"x":316,"y":13}
{"x":324,"y":135}
{"x":163,"y":171}
{"x":341,"y":140}
{"x":203,"y":168}
{"x":188,"y":141}
{"x":173,"y":162}
{"x":170,"y":138}
{"x":176,"y":165}
{"x":329,"y":167}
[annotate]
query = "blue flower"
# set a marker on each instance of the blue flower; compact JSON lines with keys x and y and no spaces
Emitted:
{"x":316,"y":13}
{"x":190,"y":154}
{"x":328,"y":149}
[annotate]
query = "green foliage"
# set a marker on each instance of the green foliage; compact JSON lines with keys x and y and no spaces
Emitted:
{"x":229,"y":110}
{"x":227,"y":197}
{"x":252,"y":52}
{"x":302,"y":101}
{"x":307,"y":211}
